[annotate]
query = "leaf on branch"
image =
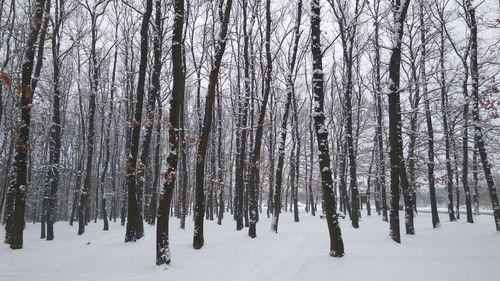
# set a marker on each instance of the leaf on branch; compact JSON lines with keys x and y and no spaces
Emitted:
{"x":136,"y":124}
{"x":27,"y":94}
{"x":5,"y":79}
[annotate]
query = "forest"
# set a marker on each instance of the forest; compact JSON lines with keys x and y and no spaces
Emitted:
{"x":186,"y":113}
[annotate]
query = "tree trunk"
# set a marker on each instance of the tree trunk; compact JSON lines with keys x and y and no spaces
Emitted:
{"x":475,"y":180}
{"x":379,"y":133}
{"x":475,"y":114}
{"x":154,"y":91}
{"x":296,"y":161}
{"x":83,"y":208}
{"x":241,"y":147}
{"x":55,"y":130}
{"x":256,"y":157}
{"x":397,"y":162}
{"x":336,"y":243}
{"x":178,"y":88}
{"x":198,"y":239}
{"x":135,"y":227}
{"x":446,"y":133}
{"x":19,"y":185}
{"x":282,"y":141}
{"x":428,"y":117}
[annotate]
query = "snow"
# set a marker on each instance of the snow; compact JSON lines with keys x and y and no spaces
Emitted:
{"x":455,"y":251}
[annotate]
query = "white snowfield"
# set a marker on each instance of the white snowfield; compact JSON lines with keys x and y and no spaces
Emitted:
{"x":455,"y":251}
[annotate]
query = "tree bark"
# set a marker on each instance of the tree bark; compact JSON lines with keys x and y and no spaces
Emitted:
{"x":19,"y":184}
{"x":444,"y":111}
{"x":55,"y":130}
{"x":256,"y":157}
{"x":336,"y":243}
{"x":198,"y":239}
{"x":475,"y":114}
{"x":178,"y":88}
{"x":397,"y":163}
{"x":282,"y":141}
{"x":135,"y":227}
{"x":428,"y":118}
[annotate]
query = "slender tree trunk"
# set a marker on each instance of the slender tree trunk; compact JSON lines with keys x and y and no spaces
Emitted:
{"x":428,"y":117}
{"x":81,"y":149}
{"x":154,"y":91}
{"x":135,"y":227}
{"x":311,"y":162}
{"x":241,"y":148}
{"x":83,"y":209}
{"x":153,"y":210}
{"x":379,"y":133}
{"x":107,"y":138}
{"x":368,"y":181}
{"x":336,"y":243}
{"x":296,"y":161}
{"x":256,"y":157}
{"x":55,"y":130}
{"x":478,"y":132}
{"x":272,"y":145}
{"x":475,"y":180}
{"x":184,"y":172}
{"x":400,"y":9}
{"x":19,"y":185}
{"x":220,"y":155}
{"x":282,"y":141}
{"x":178,"y":88}
{"x":446,"y":133}
{"x":198,"y":239}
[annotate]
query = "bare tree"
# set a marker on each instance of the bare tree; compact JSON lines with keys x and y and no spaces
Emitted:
{"x":19,"y":182}
{"x":198,"y":239}
{"x":336,"y":243}
{"x":400,"y":9}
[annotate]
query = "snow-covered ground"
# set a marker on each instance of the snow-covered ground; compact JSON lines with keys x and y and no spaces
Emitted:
{"x":455,"y":251}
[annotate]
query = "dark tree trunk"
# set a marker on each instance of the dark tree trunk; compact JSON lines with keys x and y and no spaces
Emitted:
{"x":241,"y":147}
{"x":272,"y":145}
{"x":107,"y":138}
{"x":465,"y":148}
{"x":311,"y":162}
{"x":129,"y":112}
{"x":397,"y":162}
{"x":149,"y":123}
{"x":256,"y":157}
{"x":344,"y":202}
{"x":428,"y":117}
{"x":55,"y":130}
{"x":81,"y":149}
{"x":220,"y":155}
{"x":184,"y":172}
{"x":135,"y":226}
{"x":444,"y":111}
{"x":83,"y":208}
{"x":178,"y":88}
{"x":475,"y":180}
{"x":414,"y":99}
{"x":465,"y":131}
{"x":282,"y":141}
{"x":296,"y":161}
{"x":368,"y":181}
{"x":478,"y":132}
{"x":198,"y":239}
{"x":41,"y":47}
{"x":379,"y":133}
{"x":348,"y":35}
{"x":336,"y":243}
{"x":19,"y":186}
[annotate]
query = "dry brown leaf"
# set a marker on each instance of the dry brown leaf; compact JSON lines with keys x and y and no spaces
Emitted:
{"x":5,"y":78}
